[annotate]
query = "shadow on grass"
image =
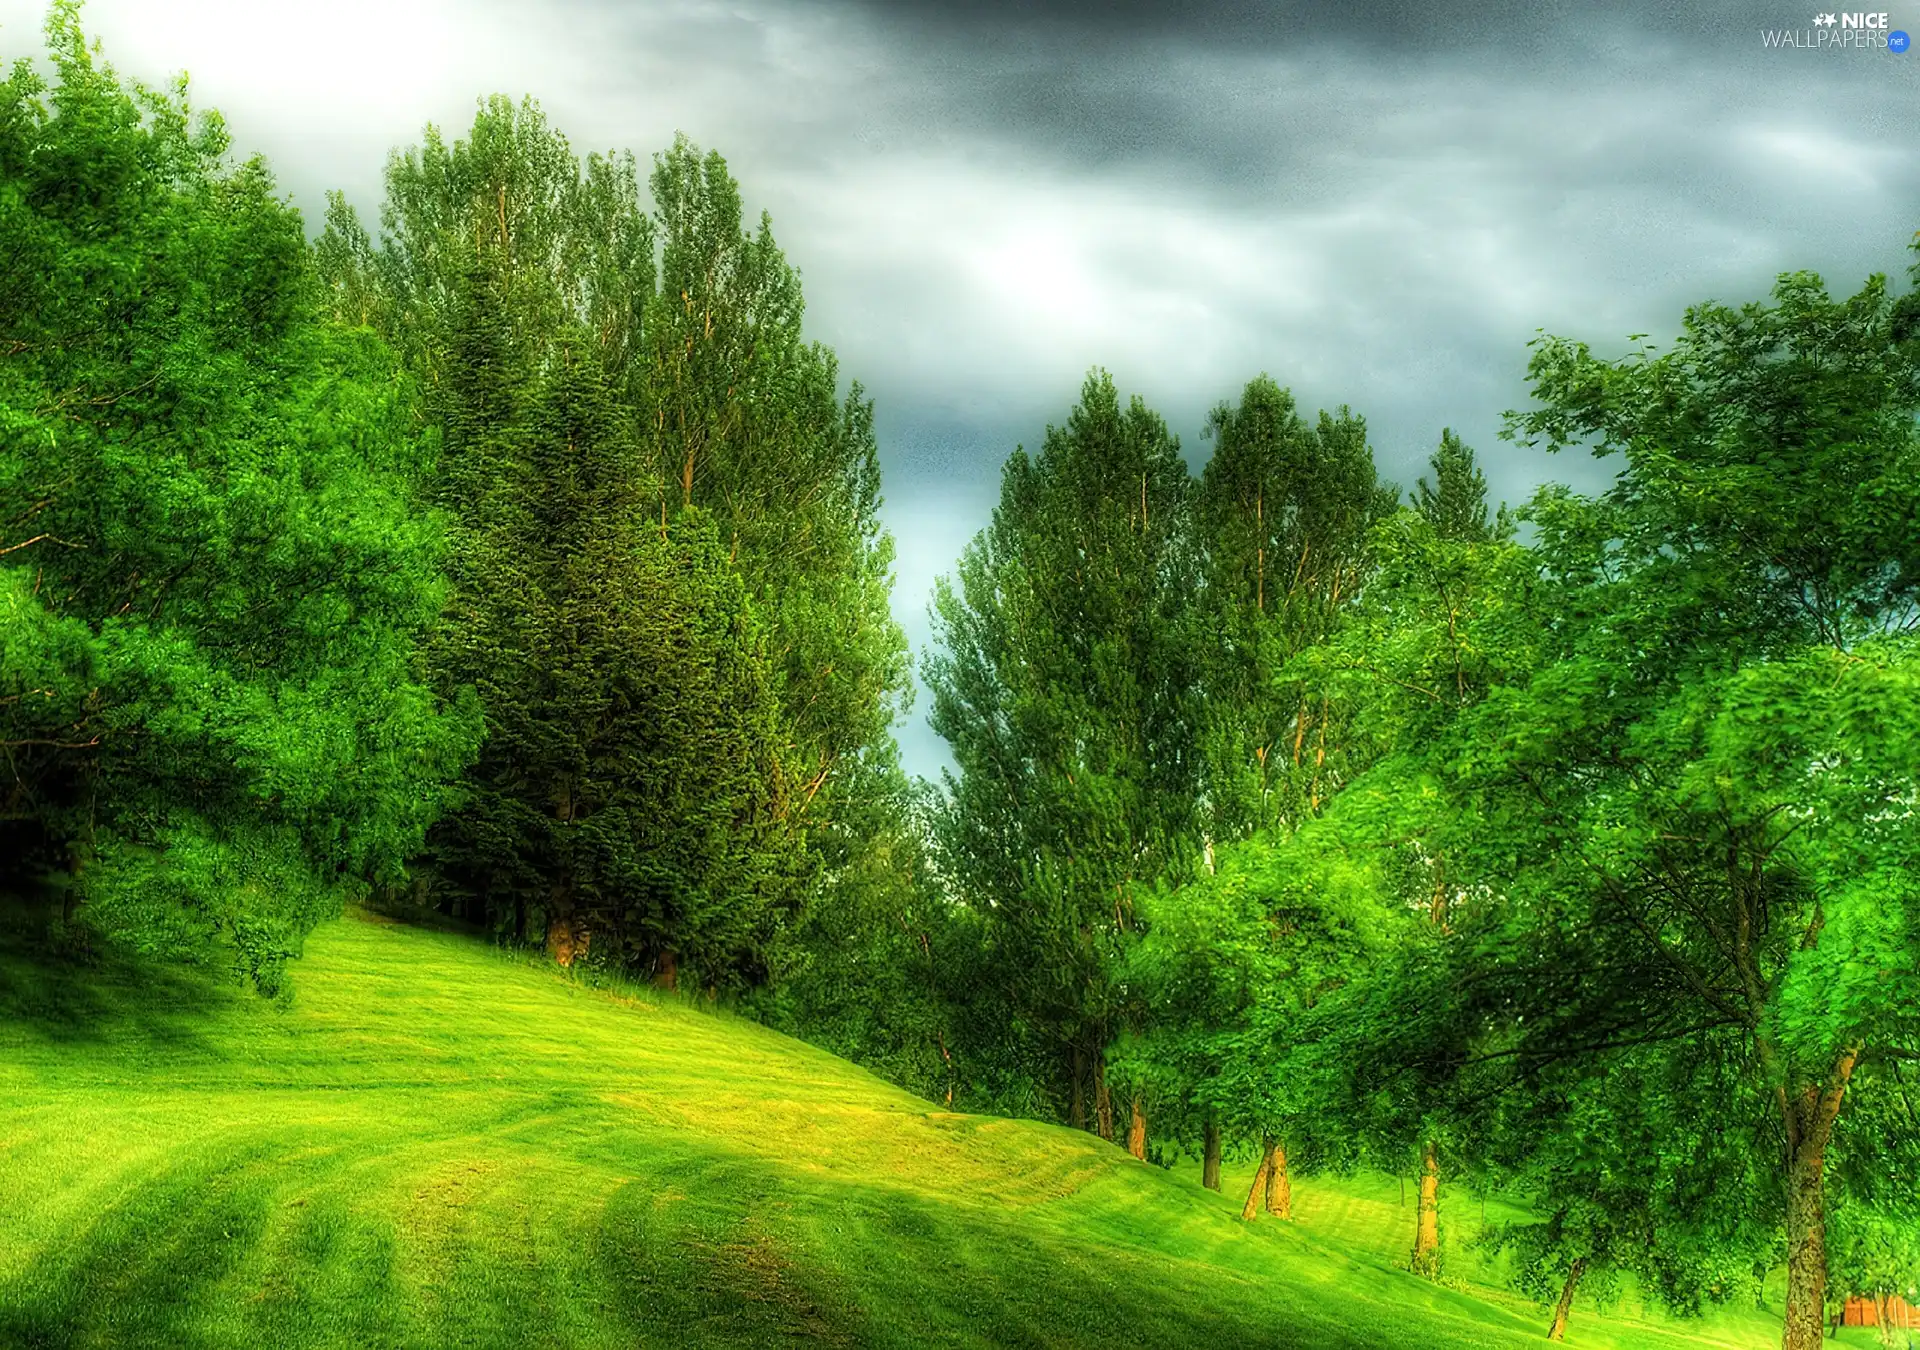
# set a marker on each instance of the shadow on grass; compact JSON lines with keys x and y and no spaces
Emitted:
{"x":703,"y":1249}
{"x":206,"y":1256}
{"x":57,"y":990}
{"x":715,"y":1250}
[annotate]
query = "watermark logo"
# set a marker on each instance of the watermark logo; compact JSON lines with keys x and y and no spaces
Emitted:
{"x":1858,"y":30}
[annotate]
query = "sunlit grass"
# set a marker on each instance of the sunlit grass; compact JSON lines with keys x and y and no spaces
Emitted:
{"x":437,"y":1144}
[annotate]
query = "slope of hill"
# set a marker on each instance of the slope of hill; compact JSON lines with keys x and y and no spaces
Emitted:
{"x":439,"y":1145}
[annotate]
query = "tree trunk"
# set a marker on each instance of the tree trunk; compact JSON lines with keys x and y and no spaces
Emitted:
{"x":1102,"y":1101}
{"x":566,"y":939}
{"x":1279,"y":1183}
{"x":1251,"y":1209}
{"x":1806,"y":1254}
{"x":1426,"y":1232}
{"x":563,"y":941}
{"x":1210,"y":1156}
{"x":1810,"y":1114}
{"x":1558,"y":1331}
{"x":70,"y":901}
{"x":1137,"y":1131}
{"x":668,"y":976}
{"x":1078,"y":1112}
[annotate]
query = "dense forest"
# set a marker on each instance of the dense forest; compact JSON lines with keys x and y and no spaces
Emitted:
{"x":519,"y":560}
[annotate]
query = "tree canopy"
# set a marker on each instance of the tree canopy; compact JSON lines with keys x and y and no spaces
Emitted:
{"x":215,"y":566}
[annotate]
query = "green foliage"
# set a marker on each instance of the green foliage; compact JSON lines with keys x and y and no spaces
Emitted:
{"x":1874,"y":1255}
{"x":1639,"y":1168}
{"x":1282,"y":520}
{"x":1232,"y":970}
{"x":1733,"y":674}
{"x":214,"y":567}
{"x":719,"y":594}
{"x":1455,"y":503}
{"x":741,"y":418}
{"x":881,"y":953}
{"x":1664,"y":755}
{"x":1065,"y":685}
{"x":569,"y":241}
{"x":627,"y":791}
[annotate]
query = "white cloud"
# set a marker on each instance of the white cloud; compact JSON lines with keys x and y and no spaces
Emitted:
{"x":1794,"y":158}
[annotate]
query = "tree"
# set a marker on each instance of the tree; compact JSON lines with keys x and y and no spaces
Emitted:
{"x":695,"y":328}
{"x":1679,"y":797}
{"x":215,"y":568}
{"x":742,"y":418}
{"x":570,"y":242}
{"x":1632,"y":1166}
{"x":1732,"y":702}
{"x":881,"y":963}
{"x":1281,"y":523}
{"x":1064,"y":683}
{"x":1232,"y":969}
{"x":1455,"y":503}
{"x":1445,"y":618}
{"x":1283,"y":516}
{"x":628,"y":792}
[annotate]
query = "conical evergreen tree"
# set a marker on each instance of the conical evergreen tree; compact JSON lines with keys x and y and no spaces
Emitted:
{"x":1455,"y":503}
{"x":627,"y":802}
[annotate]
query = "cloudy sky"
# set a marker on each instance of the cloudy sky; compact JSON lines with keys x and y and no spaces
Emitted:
{"x":1377,"y":204}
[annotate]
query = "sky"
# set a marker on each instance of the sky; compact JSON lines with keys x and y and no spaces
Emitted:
{"x":1379,"y":205}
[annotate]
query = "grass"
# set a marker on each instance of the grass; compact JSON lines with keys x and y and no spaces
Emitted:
{"x":436,"y":1144}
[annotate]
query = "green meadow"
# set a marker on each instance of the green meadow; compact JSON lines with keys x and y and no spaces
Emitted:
{"x":434,"y":1143}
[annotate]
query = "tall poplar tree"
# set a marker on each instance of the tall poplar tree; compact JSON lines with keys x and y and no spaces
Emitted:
{"x":742,"y":418}
{"x":1283,"y":518}
{"x":1064,"y":681}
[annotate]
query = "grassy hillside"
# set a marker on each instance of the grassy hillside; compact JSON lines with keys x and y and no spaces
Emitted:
{"x":438,"y":1145}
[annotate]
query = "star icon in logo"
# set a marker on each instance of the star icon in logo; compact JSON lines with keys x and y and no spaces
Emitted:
{"x":1824,"y":20}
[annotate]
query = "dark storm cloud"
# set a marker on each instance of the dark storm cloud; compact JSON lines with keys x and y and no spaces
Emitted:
{"x":1415,"y":190}
{"x":1377,"y":204}
{"x":1238,"y":24}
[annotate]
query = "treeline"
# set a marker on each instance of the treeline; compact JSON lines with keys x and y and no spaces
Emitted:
{"x":1565,"y":853}
{"x":669,"y":583}
{"x":523,"y":563}
{"x":520,"y":559}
